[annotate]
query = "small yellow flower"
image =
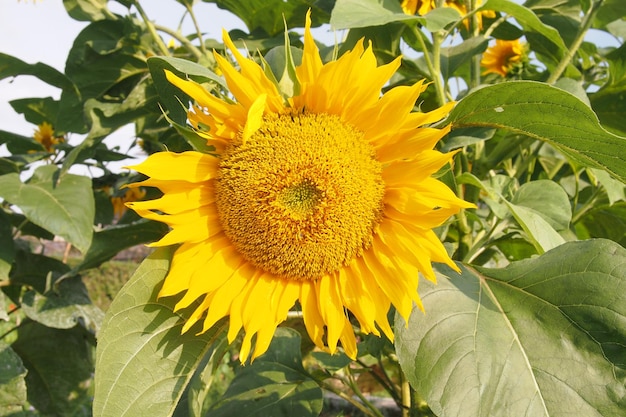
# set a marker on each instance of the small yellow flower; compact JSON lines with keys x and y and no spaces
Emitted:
{"x":44,"y":134}
{"x":322,"y":199}
{"x":119,"y":203}
{"x":502,"y":57}
{"x":419,"y":7}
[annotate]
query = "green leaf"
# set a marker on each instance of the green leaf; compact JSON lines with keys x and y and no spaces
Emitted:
{"x":541,"y":337}
{"x":348,"y":14}
{"x":12,"y":384}
{"x":275,"y":384}
{"x":64,"y":307}
{"x":143,"y":362}
{"x":37,"y":271}
{"x":53,"y":205}
{"x":538,"y":230}
{"x":88,"y":10}
{"x":607,"y":222}
{"x":546,"y":113}
{"x":609,"y":102}
{"x":208,"y":384}
{"x":105,"y":54}
{"x":615,"y":190}
{"x":454,"y":56}
{"x":59,"y":367}
{"x":548,"y":199}
{"x":108,"y":242}
{"x":12,"y":67}
{"x":609,"y":11}
{"x":37,"y":110}
{"x":7,"y":248}
{"x":172,"y":98}
{"x":270,"y":15}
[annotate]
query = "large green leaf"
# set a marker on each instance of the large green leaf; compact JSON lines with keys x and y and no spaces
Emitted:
{"x":7,"y":247}
{"x":12,"y":67}
{"x":546,"y":113}
{"x":59,"y":364}
{"x":348,"y":14}
{"x":270,"y":16}
{"x":607,"y":222}
{"x":143,"y":362}
{"x":88,"y":10}
{"x":64,"y":307}
{"x":105,"y":53}
{"x":541,"y":337}
{"x":274,"y":385}
{"x":51,"y":203}
{"x":12,"y":384}
{"x":108,"y":242}
{"x":542,"y":208}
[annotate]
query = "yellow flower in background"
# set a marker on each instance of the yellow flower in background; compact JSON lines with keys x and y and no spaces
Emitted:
{"x":322,"y":198}
{"x":119,"y":203}
{"x":502,"y":57}
{"x":44,"y":134}
{"x":421,"y":7}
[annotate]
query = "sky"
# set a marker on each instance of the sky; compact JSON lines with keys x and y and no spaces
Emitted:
{"x":42,"y":31}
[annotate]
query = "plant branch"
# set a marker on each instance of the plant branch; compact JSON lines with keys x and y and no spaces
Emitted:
{"x":434,"y":65}
{"x":183,"y":40}
{"x":573,"y":48}
{"x":155,"y":36}
{"x":195,"y":24}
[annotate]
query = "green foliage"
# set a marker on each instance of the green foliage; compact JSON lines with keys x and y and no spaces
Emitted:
{"x":535,"y":338}
{"x":534,"y":325}
{"x":149,"y":336}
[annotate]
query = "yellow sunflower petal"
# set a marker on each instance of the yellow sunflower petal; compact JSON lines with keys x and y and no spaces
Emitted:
{"x":187,"y":166}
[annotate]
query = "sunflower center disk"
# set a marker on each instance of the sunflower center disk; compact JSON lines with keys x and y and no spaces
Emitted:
{"x":301,"y":197}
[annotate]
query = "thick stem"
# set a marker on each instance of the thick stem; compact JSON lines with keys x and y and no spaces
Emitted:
{"x":433,"y":69}
{"x":406,"y":397}
{"x":573,"y":48}
{"x":195,"y":24}
{"x":155,"y":36}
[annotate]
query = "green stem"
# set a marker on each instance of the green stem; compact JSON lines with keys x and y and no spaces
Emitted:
{"x":465,"y":235}
{"x":475,"y":30}
{"x":183,"y":40}
{"x":406,"y":396}
{"x":354,"y":387}
{"x":385,"y":382}
{"x":433,"y":69}
{"x":155,"y":36}
{"x":195,"y":24}
{"x":573,"y":48}
{"x":346,"y":397}
{"x":437,"y":39}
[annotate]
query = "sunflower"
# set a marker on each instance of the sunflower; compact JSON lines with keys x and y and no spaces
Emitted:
{"x":321,"y":199}
{"x":503,"y":57}
{"x":44,"y":135}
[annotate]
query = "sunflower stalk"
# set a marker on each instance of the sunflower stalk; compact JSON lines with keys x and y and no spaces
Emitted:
{"x":433,"y":64}
{"x":573,"y":48}
{"x":189,"y":8}
{"x":151,"y":29}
